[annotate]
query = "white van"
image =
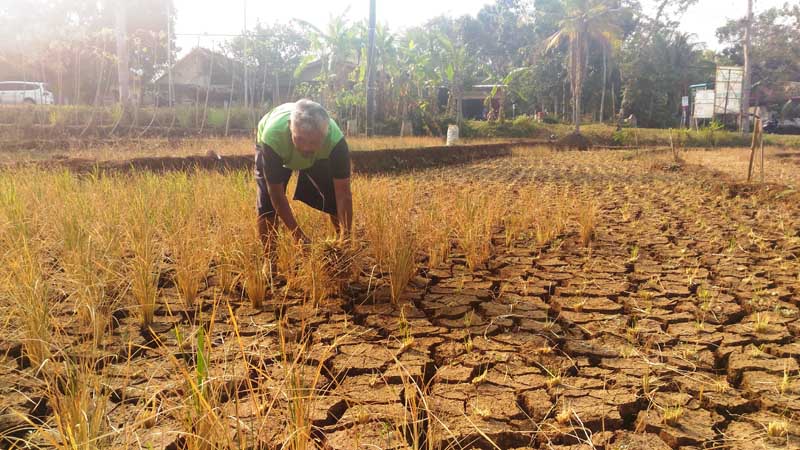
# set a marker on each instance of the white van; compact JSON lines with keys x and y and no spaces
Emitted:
{"x":24,"y":92}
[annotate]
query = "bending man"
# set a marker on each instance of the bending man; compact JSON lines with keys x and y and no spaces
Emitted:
{"x":301,"y":137}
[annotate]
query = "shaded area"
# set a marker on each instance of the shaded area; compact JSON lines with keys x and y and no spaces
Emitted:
{"x":364,"y":162}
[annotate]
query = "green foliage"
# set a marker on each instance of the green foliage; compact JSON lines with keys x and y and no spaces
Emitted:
{"x":586,"y":22}
{"x":60,"y":117}
{"x":186,"y":117}
{"x":550,"y":119}
{"x":708,"y":136}
{"x":605,"y":54}
{"x":775,"y":51}
{"x":657,"y":67}
{"x":624,"y":136}
{"x":201,"y":369}
{"x":521,"y":127}
{"x":215,"y":119}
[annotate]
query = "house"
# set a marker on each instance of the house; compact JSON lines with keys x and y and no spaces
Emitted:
{"x":311,"y":72}
{"x":474,"y":104}
{"x":203,"y":71}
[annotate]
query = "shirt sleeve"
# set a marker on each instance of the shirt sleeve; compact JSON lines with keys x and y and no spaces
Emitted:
{"x":340,"y":160}
{"x":271,"y":166}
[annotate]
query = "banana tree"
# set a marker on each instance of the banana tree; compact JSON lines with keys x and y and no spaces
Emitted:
{"x":334,"y":48}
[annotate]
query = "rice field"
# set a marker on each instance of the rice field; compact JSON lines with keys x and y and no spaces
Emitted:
{"x":545,"y":300}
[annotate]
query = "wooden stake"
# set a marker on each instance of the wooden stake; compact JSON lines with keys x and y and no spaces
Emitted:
{"x":753,"y":148}
{"x":762,"y":154}
{"x":672,"y":146}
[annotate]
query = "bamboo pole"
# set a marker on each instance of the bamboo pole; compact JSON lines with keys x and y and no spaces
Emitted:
{"x":762,"y":155}
{"x":753,"y":146}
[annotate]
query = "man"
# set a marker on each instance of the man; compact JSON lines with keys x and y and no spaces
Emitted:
{"x":301,"y":137}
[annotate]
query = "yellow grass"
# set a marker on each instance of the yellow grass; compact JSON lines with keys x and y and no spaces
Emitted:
{"x":135,"y":243}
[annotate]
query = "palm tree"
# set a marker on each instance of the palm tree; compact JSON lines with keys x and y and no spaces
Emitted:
{"x":586,"y":21}
{"x":454,"y":61}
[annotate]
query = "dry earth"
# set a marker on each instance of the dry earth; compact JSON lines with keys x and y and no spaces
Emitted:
{"x":676,"y":328}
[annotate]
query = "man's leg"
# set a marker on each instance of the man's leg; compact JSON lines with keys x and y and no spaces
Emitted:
{"x":315,"y":189}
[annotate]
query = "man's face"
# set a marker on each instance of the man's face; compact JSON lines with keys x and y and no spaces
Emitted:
{"x":307,"y":143}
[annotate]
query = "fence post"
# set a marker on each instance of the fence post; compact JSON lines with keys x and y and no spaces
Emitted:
{"x":762,"y":154}
{"x":756,"y":131}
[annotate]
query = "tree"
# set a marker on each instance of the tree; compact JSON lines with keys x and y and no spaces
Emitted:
{"x":775,"y":55}
{"x":500,"y":37}
{"x":657,"y":70}
{"x":273,"y":52}
{"x":335,"y":48}
{"x":370,"y":76}
{"x":69,"y":43}
{"x":455,"y":58}
{"x":586,"y":21}
{"x":664,"y":6}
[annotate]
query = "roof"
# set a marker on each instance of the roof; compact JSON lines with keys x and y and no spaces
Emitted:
{"x":482,"y":91}
{"x":313,"y":69}
{"x":221,"y":63}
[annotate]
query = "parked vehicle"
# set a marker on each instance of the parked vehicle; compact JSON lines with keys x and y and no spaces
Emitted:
{"x":24,"y":93}
{"x":775,"y":126}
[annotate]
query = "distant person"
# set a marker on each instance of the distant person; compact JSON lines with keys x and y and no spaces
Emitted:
{"x":301,"y":137}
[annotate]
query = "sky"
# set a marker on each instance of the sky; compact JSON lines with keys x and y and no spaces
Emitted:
{"x":212,"y":17}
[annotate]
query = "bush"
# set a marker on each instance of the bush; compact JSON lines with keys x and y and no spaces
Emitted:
{"x":521,"y":127}
{"x":185,"y":117}
{"x":623,"y":137}
{"x":389,"y":127}
{"x":525,"y":126}
{"x":550,"y":119}
{"x":215,"y":119}
{"x":243,"y":119}
{"x":61,"y":117}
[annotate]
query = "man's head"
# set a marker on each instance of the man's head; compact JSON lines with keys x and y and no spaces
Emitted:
{"x":309,"y":126}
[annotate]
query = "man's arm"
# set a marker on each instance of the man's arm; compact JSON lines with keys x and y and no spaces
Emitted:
{"x":340,"y":168}
{"x":280,"y":202}
{"x":276,"y":176}
{"x":344,"y":204}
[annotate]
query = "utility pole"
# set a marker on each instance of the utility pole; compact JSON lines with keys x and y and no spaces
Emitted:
{"x":123,"y":70}
{"x":170,"y":87}
{"x":244,"y":59}
{"x":371,"y":71}
{"x":747,"y":69}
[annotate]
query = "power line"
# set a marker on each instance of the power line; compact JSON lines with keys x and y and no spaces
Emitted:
{"x":219,"y":35}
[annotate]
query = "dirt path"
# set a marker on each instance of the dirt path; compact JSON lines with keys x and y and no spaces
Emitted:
{"x":677,"y":329}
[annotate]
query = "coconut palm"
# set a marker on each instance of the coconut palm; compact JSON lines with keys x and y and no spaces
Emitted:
{"x":586,"y":21}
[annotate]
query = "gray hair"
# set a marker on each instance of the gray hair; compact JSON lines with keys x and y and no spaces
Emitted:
{"x":310,"y":117}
